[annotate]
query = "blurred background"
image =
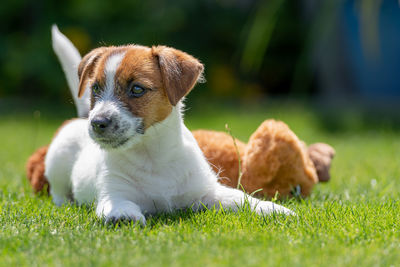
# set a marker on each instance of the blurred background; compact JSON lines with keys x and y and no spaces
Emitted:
{"x":335,"y":51}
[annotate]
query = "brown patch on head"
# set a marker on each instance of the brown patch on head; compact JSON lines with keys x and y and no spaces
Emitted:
{"x":179,"y":71}
{"x":98,"y":74}
{"x":86,"y":67}
{"x":165,"y":73}
{"x":139,"y":67}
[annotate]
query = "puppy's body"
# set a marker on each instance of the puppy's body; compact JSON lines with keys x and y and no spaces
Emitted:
{"x":134,"y":155}
{"x":163,"y":172}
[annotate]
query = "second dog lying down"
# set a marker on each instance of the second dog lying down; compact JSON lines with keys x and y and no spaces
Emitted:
{"x":273,"y":161}
{"x":134,"y":155}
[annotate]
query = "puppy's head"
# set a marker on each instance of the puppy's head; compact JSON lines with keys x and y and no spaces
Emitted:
{"x":132,"y":88}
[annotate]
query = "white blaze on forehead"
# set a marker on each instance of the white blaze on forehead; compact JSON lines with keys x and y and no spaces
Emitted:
{"x":110,"y":69}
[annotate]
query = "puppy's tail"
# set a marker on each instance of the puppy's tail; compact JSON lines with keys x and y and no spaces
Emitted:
{"x":70,"y":58}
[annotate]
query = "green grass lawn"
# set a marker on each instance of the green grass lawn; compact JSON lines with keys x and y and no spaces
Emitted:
{"x":352,"y":220}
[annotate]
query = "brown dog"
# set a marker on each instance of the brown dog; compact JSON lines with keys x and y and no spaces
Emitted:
{"x":274,"y":160}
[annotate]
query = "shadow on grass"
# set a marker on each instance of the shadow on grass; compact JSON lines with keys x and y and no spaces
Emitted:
{"x":210,"y":217}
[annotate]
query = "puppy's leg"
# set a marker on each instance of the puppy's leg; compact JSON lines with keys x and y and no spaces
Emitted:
{"x":118,"y":209}
{"x":112,"y":205}
{"x":58,"y":175}
{"x":60,"y":159}
{"x":233,"y":199}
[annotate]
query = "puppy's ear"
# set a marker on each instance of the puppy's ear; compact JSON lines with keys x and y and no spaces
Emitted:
{"x":86,"y":67}
{"x":179,"y":71}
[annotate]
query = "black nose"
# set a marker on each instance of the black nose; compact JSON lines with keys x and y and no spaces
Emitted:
{"x":100,"y":124}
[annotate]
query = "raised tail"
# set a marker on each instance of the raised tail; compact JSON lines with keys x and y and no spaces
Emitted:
{"x":70,"y":58}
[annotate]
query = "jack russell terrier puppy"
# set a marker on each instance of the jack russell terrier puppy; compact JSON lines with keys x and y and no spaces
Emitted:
{"x":133,"y":155}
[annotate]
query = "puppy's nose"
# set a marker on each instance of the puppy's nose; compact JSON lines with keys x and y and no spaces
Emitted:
{"x":100,"y":124}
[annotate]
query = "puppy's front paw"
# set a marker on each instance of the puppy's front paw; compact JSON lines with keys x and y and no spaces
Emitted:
{"x":267,"y":207}
{"x":125,"y":210}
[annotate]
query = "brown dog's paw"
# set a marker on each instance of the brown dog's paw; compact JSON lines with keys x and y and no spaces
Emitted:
{"x":321,"y":155}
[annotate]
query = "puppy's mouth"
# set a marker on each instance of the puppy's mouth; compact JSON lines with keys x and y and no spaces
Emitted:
{"x":107,"y":143}
{"x":117,"y":138}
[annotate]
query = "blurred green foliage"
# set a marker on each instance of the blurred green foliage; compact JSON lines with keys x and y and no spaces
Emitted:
{"x":251,"y":48}
{"x":214,"y":31}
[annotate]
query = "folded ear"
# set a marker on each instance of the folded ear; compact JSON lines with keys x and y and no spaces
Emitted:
{"x":179,"y":71}
{"x":87,"y":66}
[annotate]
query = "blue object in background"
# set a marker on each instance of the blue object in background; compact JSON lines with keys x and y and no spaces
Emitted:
{"x":374,"y":77}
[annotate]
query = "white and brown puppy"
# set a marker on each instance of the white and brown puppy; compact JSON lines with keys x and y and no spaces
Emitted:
{"x":133,"y":155}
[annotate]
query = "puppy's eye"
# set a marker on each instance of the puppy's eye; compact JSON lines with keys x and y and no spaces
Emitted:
{"x":135,"y":90}
{"x":96,"y":88}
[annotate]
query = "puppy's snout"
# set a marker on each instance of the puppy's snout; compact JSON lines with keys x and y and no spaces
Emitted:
{"x":100,"y":124}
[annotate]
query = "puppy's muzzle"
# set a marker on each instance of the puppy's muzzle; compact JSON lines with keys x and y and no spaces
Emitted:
{"x":100,"y":124}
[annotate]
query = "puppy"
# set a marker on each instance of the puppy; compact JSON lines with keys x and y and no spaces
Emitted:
{"x":133,"y":155}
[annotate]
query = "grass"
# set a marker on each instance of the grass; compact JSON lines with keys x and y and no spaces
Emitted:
{"x":352,"y":220}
